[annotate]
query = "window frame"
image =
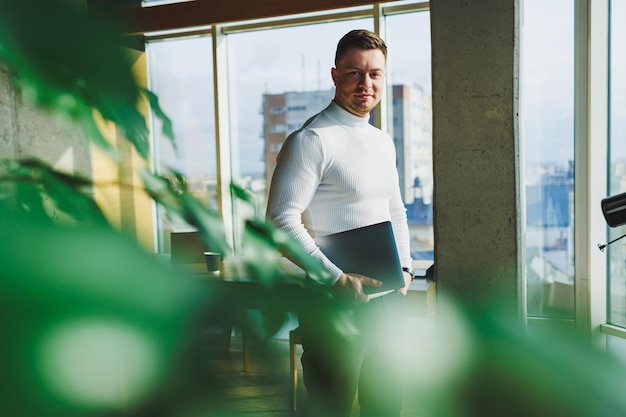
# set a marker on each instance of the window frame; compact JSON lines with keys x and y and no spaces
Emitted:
{"x":590,"y":161}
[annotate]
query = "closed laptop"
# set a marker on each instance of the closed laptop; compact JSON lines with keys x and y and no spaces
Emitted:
{"x":370,"y":251}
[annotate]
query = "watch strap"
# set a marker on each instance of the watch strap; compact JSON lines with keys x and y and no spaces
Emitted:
{"x":410,"y":272}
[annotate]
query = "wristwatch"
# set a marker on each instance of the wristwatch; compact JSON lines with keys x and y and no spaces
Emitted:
{"x":410,"y":272}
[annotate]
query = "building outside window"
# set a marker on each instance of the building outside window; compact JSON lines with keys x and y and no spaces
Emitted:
{"x":296,"y":79}
{"x":277,"y":79}
{"x":410,"y":121}
{"x":286,"y":68}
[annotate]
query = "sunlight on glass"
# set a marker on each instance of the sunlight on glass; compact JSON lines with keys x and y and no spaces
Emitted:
{"x":278,"y":78}
{"x":409,"y":81}
{"x":98,"y":363}
{"x":181,"y":74}
{"x":547,"y":132}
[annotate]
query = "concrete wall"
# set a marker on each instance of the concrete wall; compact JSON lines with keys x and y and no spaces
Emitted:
{"x":476,"y":150}
{"x":26,"y":131}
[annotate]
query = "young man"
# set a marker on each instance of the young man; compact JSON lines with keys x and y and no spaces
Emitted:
{"x":338,"y":173}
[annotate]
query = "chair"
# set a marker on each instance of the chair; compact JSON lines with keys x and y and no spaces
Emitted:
{"x":294,"y":340}
{"x":227,"y":331}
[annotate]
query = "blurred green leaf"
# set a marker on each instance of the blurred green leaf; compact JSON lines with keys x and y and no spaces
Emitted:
{"x":168,"y":130}
{"x":62,"y":292}
{"x":208,"y":222}
{"x":245,"y":195}
{"x":162,"y":191}
{"x":41,"y":190}
{"x":272,"y":239}
{"x":171,"y":193}
{"x":28,"y":198}
{"x":261,"y":254}
{"x":511,"y":372}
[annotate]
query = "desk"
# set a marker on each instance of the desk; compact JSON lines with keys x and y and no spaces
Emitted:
{"x":287,"y":295}
{"x":232,"y":296}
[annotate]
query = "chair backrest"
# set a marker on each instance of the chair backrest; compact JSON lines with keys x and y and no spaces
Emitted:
{"x":187,"y":248}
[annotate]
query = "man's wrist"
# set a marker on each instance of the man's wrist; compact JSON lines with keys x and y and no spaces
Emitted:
{"x":409,"y":271}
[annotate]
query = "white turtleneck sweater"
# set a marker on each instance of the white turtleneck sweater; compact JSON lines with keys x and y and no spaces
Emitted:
{"x":337,"y":173}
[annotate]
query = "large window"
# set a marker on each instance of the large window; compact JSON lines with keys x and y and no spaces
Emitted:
{"x":616,"y":253}
{"x":409,"y":68}
{"x":277,"y":76}
{"x":547,"y":133}
{"x":181,"y":74}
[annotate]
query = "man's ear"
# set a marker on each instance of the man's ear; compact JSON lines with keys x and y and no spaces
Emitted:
{"x":333,"y":75}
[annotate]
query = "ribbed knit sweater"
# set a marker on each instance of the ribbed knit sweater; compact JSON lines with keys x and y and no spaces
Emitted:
{"x":337,"y":173}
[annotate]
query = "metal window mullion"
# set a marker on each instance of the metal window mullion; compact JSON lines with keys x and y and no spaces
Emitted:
{"x":296,"y":21}
{"x":388,"y":9}
{"x":154,"y":157}
{"x":381,"y":111}
{"x":381,"y":9}
{"x":590,"y":162}
{"x":222,"y":133}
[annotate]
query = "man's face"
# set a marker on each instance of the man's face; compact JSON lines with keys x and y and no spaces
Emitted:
{"x":359,"y":80}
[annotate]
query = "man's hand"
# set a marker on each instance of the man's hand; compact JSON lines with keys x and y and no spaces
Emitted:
{"x":407,"y":281}
{"x":350,"y":287}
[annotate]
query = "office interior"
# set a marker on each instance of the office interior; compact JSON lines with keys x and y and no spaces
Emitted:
{"x":479,"y":200}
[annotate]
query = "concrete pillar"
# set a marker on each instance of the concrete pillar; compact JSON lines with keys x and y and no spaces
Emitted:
{"x":476,"y":150}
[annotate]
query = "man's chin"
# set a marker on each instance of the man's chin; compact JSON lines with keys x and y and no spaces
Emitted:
{"x":363,"y":107}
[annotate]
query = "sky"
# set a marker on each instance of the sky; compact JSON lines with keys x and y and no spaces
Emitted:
{"x":300,"y":59}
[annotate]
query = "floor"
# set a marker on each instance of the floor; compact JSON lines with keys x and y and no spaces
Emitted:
{"x":263,"y":391}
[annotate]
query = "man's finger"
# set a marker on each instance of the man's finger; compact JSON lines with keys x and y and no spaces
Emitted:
{"x":370,"y":282}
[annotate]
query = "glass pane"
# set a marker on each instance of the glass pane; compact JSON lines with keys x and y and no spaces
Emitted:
{"x":616,"y":347}
{"x":547,"y":135}
{"x":617,"y":157}
{"x":409,"y":68}
{"x":278,"y":79}
{"x":181,"y":74}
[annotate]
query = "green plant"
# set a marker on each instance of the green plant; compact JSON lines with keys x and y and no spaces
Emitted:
{"x":90,"y":321}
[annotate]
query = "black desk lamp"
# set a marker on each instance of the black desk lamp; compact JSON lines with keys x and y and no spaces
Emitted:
{"x":614,"y":210}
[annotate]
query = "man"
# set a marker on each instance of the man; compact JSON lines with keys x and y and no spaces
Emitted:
{"x":338,"y":173}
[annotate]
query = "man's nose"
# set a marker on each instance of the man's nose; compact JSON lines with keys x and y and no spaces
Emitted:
{"x":366,"y":81}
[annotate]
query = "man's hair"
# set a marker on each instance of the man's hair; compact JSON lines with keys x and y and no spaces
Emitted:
{"x":362,"y":39}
